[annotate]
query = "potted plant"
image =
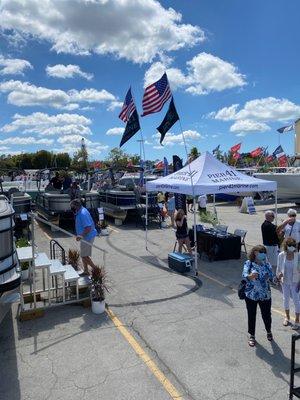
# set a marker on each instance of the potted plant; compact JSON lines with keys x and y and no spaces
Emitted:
{"x":98,"y":289}
{"x":74,"y":258}
{"x":25,"y":270}
{"x":104,"y":228}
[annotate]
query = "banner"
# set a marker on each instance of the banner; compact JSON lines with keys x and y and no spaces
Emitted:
{"x":180,"y":199}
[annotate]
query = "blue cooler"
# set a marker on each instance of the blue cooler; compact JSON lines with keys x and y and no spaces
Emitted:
{"x":180,"y":262}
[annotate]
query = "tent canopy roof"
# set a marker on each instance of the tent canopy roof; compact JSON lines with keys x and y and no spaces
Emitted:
{"x":207,"y":175}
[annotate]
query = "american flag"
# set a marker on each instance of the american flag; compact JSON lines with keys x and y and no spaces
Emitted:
{"x":156,"y":95}
{"x":128,"y":107}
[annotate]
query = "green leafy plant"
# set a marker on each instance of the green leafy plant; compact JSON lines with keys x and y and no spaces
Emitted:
{"x":74,"y":258}
{"x":99,"y":284}
{"x":104,"y":224}
{"x":22,"y":242}
{"x":209,"y":218}
{"x":24,"y":265}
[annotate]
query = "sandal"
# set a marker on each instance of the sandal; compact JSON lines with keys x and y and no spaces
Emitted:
{"x":269,"y":336}
{"x":251,"y":341}
{"x":286,"y":322}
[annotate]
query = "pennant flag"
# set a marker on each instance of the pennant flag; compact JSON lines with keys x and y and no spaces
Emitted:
{"x":235,"y":148}
{"x":215,"y":151}
{"x":180,"y":199}
{"x":170,"y":118}
{"x":281,"y":156}
{"x":132,"y":127}
{"x":156,"y":95}
{"x":159,"y":165}
{"x":257,"y":152}
{"x":236,"y":156}
{"x":166,"y":167}
{"x":286,"y":128}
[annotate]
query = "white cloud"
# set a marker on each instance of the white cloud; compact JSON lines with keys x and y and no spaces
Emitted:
{"x":171,"y":138}
{"x":26,"y":141}
{"x":47,"y":125}
{"x":137,"y":31}
{"x":257,"y":113}
{"x":247,"y":125}
{"x":67,"y":71}
{"x":13,"y":66}
{"x":205,"y":73}
{"x":114,"y":105}
{"x":115,"y":131}
{"x":26,"y":94}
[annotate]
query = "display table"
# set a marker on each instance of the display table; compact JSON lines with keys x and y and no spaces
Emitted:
{"x":217,"y":246}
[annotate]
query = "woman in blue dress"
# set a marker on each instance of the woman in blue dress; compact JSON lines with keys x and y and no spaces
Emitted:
{"x":258,"y":272}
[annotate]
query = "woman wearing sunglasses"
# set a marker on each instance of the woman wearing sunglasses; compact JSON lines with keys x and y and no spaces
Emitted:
{"x":289,"y":276}
{"x":258,"y":272}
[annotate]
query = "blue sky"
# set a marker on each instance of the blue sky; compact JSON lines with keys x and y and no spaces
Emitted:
{"x":65,"y":67}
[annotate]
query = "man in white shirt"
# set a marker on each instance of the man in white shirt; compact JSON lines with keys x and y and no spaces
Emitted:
{"x":202,"y":203}
{"x":290,"y":227}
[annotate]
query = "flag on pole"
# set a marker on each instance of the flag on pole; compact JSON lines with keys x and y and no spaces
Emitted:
{"x":281,"y":156}
{"x":215,"y":151}
{"x":156,"y":95}
{"x":132,"y":127}
{"x":166,"y":167}
{"x":128,"y":107}
{"x":257,"y":152}
{"x":180,"y":199}
{"x":270,"y":158}
{"x":235,"y":148}
{"x":287,"y":128}
{"x":236,"y":156}
{"x":170,"y":118}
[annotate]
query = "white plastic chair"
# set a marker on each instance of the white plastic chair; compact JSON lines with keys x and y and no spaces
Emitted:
{"x":242,"y":233}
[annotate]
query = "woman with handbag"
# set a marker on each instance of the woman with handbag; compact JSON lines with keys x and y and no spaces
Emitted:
{"x":288,"y":274}
{"x":257,"y":273}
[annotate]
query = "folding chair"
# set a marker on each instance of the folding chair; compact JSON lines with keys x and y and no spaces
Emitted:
{"x":242,"y":233}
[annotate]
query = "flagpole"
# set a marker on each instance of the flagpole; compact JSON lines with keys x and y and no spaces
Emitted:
{"x":194,"y":198}
{"x":262,"y":155}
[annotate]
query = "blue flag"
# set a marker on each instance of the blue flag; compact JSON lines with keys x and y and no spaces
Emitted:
{"x":286,"y":128}
{"x":166,"y":167}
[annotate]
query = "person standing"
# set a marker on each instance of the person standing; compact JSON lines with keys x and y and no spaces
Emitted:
{"x":171,"y":209}
{"x":288,"y":274}
{"x":85,"y":231}
{"x":290,"y":227}
{"x":202,"y":203}
{"x":257,"y":273}
{"x":56,"y":182}
{"x":270,"y":237}
{"x":182,"y":234}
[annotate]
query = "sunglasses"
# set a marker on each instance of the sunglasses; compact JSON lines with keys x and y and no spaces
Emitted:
{"x":262,"y":251}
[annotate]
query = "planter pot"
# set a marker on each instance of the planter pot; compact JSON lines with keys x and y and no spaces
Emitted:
{"x":25,"y":274}
{"x":104,"y":232}
{"x":98,"y":307}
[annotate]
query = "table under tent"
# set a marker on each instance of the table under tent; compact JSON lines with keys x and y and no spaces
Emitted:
{"x":207,"y":175}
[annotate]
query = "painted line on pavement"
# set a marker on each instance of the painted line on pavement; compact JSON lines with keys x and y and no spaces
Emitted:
{"x":276,"y":310}
{"x":113,"y":229}
{"x":159,"y":375}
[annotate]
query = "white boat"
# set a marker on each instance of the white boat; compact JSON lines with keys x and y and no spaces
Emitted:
{"x":288,"y":182}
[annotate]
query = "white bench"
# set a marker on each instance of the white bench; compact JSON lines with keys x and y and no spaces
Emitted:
{"x":70,"y":276}
{"x":56,"y":269}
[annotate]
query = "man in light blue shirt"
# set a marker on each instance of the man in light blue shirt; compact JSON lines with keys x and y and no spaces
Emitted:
{"x":85,"y":231}
{"x":171,"y":209}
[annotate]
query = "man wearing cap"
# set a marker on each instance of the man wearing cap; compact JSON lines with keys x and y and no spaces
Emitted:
{"x":290,"y":227}
{"x":85,"y":231}
{"x":270,"y":237}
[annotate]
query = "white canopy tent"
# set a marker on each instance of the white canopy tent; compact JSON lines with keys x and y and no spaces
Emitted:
{"x":207,"y":175}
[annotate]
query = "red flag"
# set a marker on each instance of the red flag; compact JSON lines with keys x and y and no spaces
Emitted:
{"x":282,"y":161}
{"x":159,"y":165}
{"x":236,"y":156}
{"x":270,"y":158}
{"x":257,"y":152}
{"x":236,"y":148}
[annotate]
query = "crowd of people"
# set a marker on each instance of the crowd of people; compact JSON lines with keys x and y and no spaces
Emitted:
{"x":267,"y":265}
{"x":64,"y":184}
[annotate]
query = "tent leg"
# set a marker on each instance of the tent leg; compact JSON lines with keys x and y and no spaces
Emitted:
{"x":195,"y":237}
{"x":214,"y":205}
{"x":146,"y":223}
{"x":276,"y":217}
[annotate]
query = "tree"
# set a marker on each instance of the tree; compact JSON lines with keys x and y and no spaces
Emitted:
{"x":194,"y":153}
{"x":42,"y":159}
{"x":62,"y":160}
{"x":118,"y":157}
{"x":26,"y":161}
{"x":80,"y":159}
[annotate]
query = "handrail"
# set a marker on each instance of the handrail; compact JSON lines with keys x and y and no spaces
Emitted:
{"x":34,"y":216}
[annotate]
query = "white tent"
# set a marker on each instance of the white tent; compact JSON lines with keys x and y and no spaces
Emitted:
{"x":207,"y":175}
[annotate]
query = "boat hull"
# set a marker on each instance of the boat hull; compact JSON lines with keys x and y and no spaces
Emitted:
{"x":288,"y":184}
